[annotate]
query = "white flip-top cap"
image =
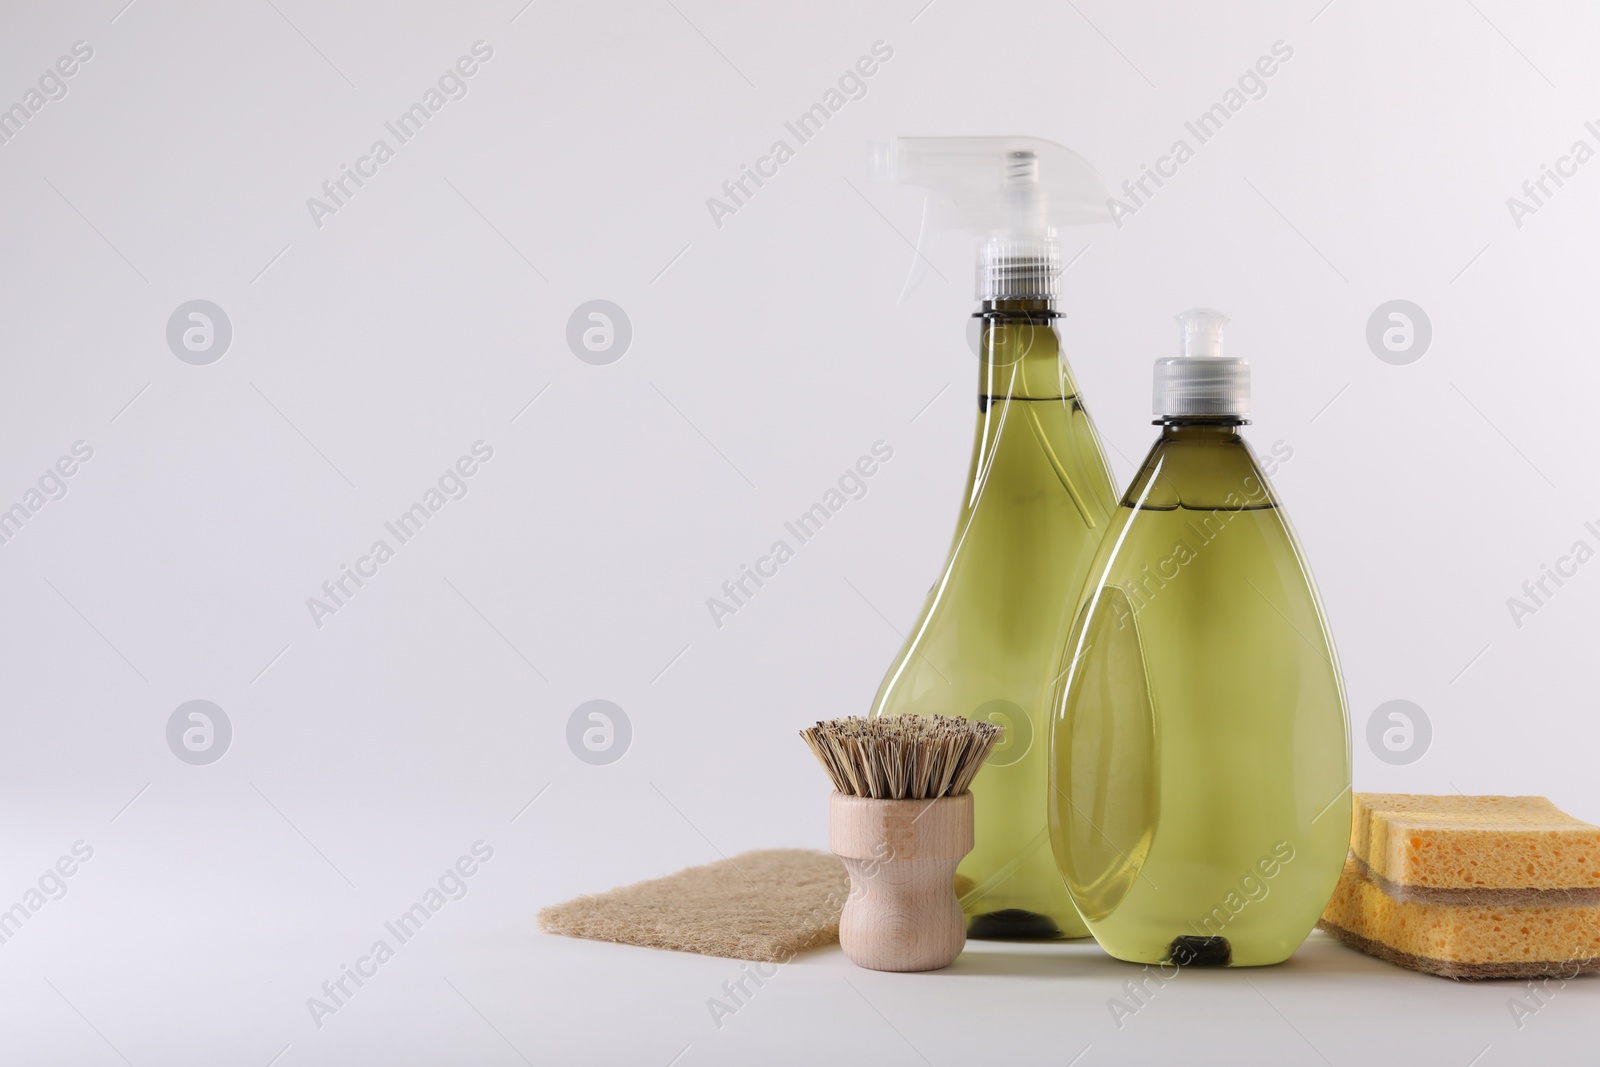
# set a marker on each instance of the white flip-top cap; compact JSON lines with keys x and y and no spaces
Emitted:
{"x":1014,"y":191}
{"x":1202,"y":381}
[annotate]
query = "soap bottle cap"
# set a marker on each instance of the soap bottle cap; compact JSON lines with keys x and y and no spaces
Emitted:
{"x":1202,"y":381}
{"x":1014,"y":191}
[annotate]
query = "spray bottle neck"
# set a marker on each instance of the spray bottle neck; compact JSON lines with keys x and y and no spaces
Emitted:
{"x":1019,"y":351}
{"x":1043,"y":306}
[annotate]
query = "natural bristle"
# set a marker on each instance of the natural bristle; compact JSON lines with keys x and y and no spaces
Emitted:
{"x":902,"y":757}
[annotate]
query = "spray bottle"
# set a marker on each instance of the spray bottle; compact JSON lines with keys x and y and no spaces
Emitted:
{"x":1038,"y":497}
{"x":1200,"y":752}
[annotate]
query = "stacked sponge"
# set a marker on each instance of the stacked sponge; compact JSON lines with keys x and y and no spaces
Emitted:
{"x":1470,"y":887}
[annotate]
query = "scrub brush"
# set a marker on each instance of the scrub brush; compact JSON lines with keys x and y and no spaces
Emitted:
{"x":901,"y":820}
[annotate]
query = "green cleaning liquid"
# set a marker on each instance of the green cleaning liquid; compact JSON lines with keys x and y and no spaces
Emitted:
{"x":1199,"y":751}
{"x":1038,"y":497}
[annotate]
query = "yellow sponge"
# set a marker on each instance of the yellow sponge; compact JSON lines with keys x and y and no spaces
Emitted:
{"x":1423,"y":843}
{"x":1463,"y":940}
{"x":1470,"y":887}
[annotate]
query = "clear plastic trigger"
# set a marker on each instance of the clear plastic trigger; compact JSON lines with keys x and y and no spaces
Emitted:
{"x":937,"y":216}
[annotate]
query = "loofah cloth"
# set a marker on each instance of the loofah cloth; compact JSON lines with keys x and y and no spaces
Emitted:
{"x":765,"y":906}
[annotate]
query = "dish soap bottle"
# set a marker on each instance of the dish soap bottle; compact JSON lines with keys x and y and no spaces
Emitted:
{"x":1037,"y":499}
{"x":1200,"y":750}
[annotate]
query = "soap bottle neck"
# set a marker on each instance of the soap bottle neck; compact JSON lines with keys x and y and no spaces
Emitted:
{"x":1200,"y":463}
{"x":1202,"y":430}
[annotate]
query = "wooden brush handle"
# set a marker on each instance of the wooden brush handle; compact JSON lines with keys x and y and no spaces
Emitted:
{"x":902,"y":913}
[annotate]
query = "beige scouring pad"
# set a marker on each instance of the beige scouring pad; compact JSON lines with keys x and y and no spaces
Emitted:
{"x":764,"y":906}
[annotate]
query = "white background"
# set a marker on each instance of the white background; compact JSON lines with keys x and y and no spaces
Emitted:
{"x":767,"y":355}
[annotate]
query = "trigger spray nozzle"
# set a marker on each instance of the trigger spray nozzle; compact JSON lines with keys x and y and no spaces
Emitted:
{"x":1015,"y":192}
